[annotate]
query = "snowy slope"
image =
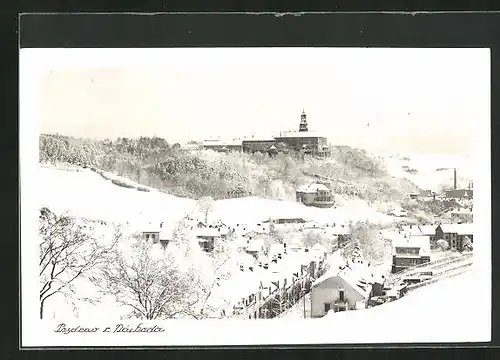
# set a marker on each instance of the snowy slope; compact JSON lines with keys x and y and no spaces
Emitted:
{"x":253,"y":210}
{"x":426,"y":165}
{"x":86,"y":193}
{"x":438,"y":305}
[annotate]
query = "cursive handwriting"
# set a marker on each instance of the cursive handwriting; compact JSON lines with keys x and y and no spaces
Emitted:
{"x":62,"y":328}
{"x":118,"y":328}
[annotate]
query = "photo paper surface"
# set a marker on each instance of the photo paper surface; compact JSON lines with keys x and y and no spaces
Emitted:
{"x":254,"y":196}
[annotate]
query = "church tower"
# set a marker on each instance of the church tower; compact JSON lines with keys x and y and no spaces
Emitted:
{"x":303,"y":121}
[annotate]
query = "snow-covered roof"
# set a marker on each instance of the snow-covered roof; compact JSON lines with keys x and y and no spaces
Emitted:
{"x":254,"y":229}
{"x":428,"y":229}
{"x":275,"y":249}
{"x":460,"y":229}
{"x":312,"y":188}
{"x":339,"y":230}
{"x":166,"y":234}
{"x":408,"y":241}
{"x":259,"y":138}
{"x":319,"y":248}
{"x":299,"y":134}
{"x":254,"y":245}
{"x":356,"y":275}
{"x":215,"y":232}
{"x":218,"y":142}
{"x":412,"y":230}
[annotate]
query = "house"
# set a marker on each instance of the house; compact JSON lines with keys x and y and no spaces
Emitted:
{"x":427,"y":193}
{"x":410,"y":251}
{"x":339,"y":290}
{"x":151,"y":233}
{"x":319,"y":251}
{"x":343,"y":234}
{"x":430,"y":231}
{"x":254,"y":247}
{"x":455,"y":234}
{"x":316,"y":194}
{"x":208,"y":235}
{"x":160,"y":234}
{"x":420,"y":230}
{"x":283,"y":221}
{"x":462,"y":215}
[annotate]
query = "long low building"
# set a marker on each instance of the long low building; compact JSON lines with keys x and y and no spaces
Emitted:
{"x":302,"y":140}
{"x":309,"y":142}
{"x":223,"y":146}
{"x":263,"y":145}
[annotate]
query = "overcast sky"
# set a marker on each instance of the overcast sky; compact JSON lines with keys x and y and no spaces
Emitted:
{"x":387,"y":100}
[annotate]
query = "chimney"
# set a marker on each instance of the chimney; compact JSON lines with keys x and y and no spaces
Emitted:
{"x":455,"y":179}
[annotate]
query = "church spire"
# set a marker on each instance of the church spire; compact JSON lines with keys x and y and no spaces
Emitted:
{"x":303,"y":121}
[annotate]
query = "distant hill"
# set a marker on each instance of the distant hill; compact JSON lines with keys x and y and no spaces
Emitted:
{"x":431,"y":172}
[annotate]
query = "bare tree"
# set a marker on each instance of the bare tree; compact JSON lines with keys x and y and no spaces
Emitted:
{"x":311,"y":238}
{"x":219,"y":272}
{"x":147,"y":279}
{"x":369,"y":241}
{"x":68,"y":251}
{"x":205,"y":205}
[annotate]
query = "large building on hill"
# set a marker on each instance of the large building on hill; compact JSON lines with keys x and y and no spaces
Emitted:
{"x":318,"y":195}
{"x":301,"y":140}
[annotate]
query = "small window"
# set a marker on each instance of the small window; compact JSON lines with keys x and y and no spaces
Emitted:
{"x":327,"y":307}
{"x":341,"y":294}
{"x":147,"y":236}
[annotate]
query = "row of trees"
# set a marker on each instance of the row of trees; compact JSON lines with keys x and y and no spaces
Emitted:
{"x":152,"y":282}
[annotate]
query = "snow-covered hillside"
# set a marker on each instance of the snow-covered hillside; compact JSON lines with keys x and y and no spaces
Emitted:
{"x":87,"y":194}
{"x":423,"y":170}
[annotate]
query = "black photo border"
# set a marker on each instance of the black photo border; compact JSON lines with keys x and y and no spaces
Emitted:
{"x":326,"y":29}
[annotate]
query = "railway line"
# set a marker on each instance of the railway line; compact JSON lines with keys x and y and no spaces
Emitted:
{"x":432,"y":266}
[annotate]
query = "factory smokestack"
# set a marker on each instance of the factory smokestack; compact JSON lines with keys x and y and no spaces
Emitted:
{"x":454,"y":179}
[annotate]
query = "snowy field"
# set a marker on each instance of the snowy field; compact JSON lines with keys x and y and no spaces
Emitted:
{"x":87,"y":194}
{"x":251,"y":210}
